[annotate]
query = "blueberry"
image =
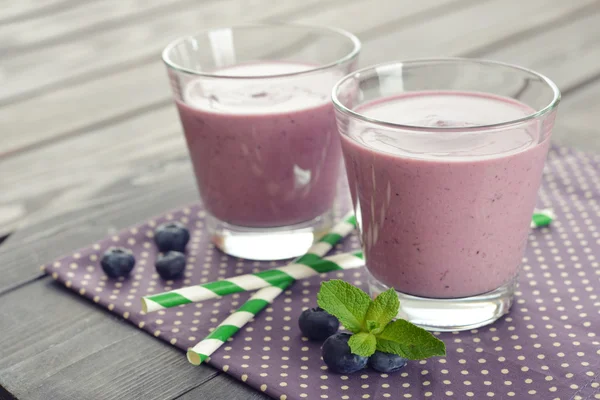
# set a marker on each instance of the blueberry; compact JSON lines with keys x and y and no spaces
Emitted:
{"x":171,"y":236}
{"x":386,"y":362}
{"x":318,"y":324}
{"x":336,"y":354}
{"x":170,"y":265}
{"x":117,"y":262}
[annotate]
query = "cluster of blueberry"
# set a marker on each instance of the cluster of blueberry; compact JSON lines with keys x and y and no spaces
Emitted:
{"x":170,"y":238}
{"x":318,"y":325}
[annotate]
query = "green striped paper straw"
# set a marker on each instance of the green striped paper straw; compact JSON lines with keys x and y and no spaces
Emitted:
{"x":308,"y":265}
{"x":542,"y":218}
{"x":250,"y":282}
{"x":258,"y":302}
{"x":265,"y":296}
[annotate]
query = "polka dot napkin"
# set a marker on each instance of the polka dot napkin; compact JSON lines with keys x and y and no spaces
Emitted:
{"x":548,"y":347}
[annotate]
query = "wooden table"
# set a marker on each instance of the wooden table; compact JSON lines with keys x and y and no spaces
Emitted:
{"x":91,"y":144}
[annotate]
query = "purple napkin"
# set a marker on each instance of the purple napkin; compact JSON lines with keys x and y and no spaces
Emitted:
{"x":548,"y":347}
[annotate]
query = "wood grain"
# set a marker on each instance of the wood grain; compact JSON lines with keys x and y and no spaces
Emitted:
{"x":24,"y":10}
{"x":128,"y":46}
{"x":63,"y":350}
{"x":134,"y":53}
{"x":223,"y":387}
{"x":77,"y":177}
{"x":561,"y":52}
{"x":375,"y":14}
{"x":578,"y":118}
{"x":572,"y":61}
{"x":126,"y":160}
{"x":464,"y":31}
{"x":145,"y":88}
{"x":79,"y":22}
{"x":89,"y":171}
{"x":105,"y":356}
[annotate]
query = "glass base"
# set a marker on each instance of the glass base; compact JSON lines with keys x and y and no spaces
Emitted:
{"x":268,"y":243}
{"x":445,"y":315}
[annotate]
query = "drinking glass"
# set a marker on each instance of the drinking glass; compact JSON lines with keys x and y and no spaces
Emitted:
{"x":444,"y":160}
{"x":254,"y":103}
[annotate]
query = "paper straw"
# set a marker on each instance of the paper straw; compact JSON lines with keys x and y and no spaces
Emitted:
{"x":265,"y":296}
{"x":309,"y":264}
{"x":275,"y":283}
{"x":229,"y":327}
{"x":542,"y":218}
{"x":250,"y":282}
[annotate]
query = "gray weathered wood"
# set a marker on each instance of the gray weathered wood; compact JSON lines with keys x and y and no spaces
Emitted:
{"x":223,"y":387}
{"x":366,"y":18}
{"x":578,"y":118}
{"x":147,"y":82}
{"x":127,"y":46}
{"x":465,"y":31}
{"x":71,"y":22}
{"x":138,"y":88}
{"x":26,"y":9}
{"x":77,"y":190}
{"x":571,"y":59}
{"x":561,"y":51}
{"x":169,"y":182}
{"x":149,"y":78}
{"x":56,"y":170}
{"x":55,"y":345}
{"x":105,"y":161}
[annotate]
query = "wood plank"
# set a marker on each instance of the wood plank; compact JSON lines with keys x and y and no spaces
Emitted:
{"x":79,"y":22}
{"x":66,"y":200}
{"x":128,"y":46}
{"x":150,"y":78}
{"x":223,"y":387}
{"x":68,"y":349}
{"x":145,"y":87}
{"x":25,"y":9}
{"x":102,"y":187}
{"x":562,"y":53}
{"x":571,"y":59}
{"x":84,"y":213}
{"x":472,"y":29}
{"x":376,"y":14}
{"x":578,"y":118}
{"x":141,"y":44}
{"x":147,"y":82}
{"x":59,"y":169}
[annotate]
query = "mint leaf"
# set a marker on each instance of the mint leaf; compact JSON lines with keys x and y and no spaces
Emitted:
{"x":384,"y":308}
{"x":374,"y":326}
{"x":409,"y":341}
{"x":346,"y":302}
{"x":363,"y":344}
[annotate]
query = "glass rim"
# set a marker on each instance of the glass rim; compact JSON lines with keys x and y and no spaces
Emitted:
{"x":424,"y":61}
{"x":356,"y":47}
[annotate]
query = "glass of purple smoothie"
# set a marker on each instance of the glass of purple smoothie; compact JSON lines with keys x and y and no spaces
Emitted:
{"x":444,"y":161}
{"x":254,"y":102}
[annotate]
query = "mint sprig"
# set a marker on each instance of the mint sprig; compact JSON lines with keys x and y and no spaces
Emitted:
{"x":382,"y":310}
{"x":348,"y":303}
{"x":409,"y":341}
{"x":363,"y":343}
{"x":371,"y":323}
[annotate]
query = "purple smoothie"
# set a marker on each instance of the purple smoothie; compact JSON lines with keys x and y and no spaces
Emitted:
{"x":265,"y":152}
{"x":445,"y":214}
